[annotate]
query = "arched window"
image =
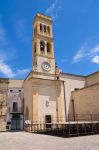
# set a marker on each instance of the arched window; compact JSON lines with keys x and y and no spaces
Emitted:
{"x":15,"y":107}
{"x":48,"y":29}
{"x":42,"y":46}
{"x":48,"y":48}
{"x":44,"y":28}
{"x":41,"y":28}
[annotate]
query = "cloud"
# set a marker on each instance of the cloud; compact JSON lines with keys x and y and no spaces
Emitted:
{"x":54,"y":9}
{"x":21,"y":30}
{"x":7,"y":70}
{"x":87,"y":52}
{"x":7,"y":53}
{"x":79,"y":55}
{"x":22,"y":72}
{"x":95,"y":60}
{"x":96,"y":49}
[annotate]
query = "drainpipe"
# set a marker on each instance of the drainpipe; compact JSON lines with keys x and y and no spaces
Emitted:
{"x":56,"y":104}
{"x":65,"y":101}
{"x":23,"y":113}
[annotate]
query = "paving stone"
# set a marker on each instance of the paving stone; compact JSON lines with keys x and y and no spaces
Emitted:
{"x":29,"y":141}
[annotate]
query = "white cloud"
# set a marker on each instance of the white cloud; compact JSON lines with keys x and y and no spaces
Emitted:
{"x":54,"y":9}
{"x":95,"y":60}
{"x":22,"y":72}
{"x":79,"y":55}
{"x":96,"y":49}
{"x":7,"y":53}
{"x":87,"y":53}
{"x":7,"y":70}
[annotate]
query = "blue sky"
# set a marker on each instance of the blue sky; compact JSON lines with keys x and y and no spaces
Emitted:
{"x":75,"y":29}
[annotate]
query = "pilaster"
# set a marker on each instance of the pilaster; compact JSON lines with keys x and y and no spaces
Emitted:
{"x":59,"y":102}
{"x":35,"y":106}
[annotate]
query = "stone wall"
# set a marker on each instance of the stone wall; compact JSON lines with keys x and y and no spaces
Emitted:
{"x":71,"y":82}
{"x":2,"y":123}
{"x":3,"y":103}
{"x":92,"y":79}
{"x":86,"y":100}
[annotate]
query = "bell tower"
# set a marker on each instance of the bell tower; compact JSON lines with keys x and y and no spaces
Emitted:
{"x":43,"y":45}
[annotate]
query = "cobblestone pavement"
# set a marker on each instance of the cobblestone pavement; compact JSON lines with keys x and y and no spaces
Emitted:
{"x":29,"y":141}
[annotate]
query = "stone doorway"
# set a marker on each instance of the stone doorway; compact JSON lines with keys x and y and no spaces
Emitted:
{"x":48,"y":121}
{"x":16,"y":122}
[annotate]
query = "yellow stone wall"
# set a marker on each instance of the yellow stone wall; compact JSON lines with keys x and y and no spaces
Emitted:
{"x":70,"y":83}
{"x":35,"y":106}
{"x":15,"y":83}
{"x":59,"y":101}
{"x":92,"y":79}
{"x":86,"y":100}
{"x":28,"y":96}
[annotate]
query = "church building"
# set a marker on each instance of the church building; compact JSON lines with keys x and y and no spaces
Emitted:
{"x":46,"y":95}
{"x":51,"y":96}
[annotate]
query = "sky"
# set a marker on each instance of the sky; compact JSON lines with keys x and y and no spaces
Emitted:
{"x":75,"y":31}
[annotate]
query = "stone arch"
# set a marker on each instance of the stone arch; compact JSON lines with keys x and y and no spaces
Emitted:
{"x":42,"y":46}
{"x":48,"y":48}
{"x":41,"y":27}
{"x":15,"y":106}
{"x":45,"y":29}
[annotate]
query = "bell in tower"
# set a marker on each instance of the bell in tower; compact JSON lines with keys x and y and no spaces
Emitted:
{"x":43,"y":45}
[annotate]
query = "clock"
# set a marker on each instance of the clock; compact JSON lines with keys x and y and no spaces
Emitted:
{"x":46,"y":66}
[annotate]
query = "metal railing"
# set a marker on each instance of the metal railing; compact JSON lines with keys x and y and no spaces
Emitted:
{"x":83,"y":125}
{"x":83,"y":117}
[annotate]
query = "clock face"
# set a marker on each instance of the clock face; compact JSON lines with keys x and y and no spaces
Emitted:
{"x":46,"y":66}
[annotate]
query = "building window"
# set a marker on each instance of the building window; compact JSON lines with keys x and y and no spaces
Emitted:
{"x":44,"y":28}
{"x":35,"y":48}
{"x":48,"y":48}
{"x":57,"y":77}
{"x":15,"y":107}
{"x":42,"y":46}
{"x":11,"y":91}
{"x":76,"y":89}
{"x":48,"y":29}
{"x":48,"y":120}
{"x":19,"y":90}
{"x":41,"y":28}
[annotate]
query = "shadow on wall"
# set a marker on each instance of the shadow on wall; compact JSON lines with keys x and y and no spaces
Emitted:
{"x":26,"y":114}
{"x":71,"y":112}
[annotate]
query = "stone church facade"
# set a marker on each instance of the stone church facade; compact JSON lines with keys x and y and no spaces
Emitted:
{"x":47,"y":95}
